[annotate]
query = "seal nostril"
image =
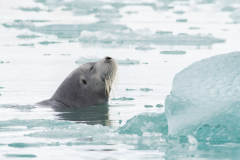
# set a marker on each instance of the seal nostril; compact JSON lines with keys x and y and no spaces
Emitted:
{"x":108,"y":58}
{"x":84,"y":81}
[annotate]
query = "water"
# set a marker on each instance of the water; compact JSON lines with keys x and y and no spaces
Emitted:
{"x":41,"y":43}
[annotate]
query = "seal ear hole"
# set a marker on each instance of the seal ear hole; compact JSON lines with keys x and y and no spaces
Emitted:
{"x":84,"y":81}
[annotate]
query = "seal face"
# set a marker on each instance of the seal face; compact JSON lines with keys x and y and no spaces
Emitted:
{"x":87,"y":85}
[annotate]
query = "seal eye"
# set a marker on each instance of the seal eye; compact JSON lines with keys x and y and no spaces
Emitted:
{"x":84,"y":82}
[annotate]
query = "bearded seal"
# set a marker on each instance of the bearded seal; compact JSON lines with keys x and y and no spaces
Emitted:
{"x":88,"y":85}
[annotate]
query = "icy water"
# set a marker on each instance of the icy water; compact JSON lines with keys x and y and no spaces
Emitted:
{"x":42,"y":41}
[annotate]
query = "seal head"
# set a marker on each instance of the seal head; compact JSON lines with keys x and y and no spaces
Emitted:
{"x":88,"y":85}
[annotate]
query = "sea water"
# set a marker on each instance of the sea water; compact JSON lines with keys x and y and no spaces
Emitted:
{"x":42,"y":41}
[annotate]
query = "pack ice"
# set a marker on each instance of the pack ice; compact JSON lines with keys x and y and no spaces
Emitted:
{"x":206,"y":93}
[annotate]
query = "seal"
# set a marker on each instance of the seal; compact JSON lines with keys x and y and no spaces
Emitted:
{"x":88,"y":85}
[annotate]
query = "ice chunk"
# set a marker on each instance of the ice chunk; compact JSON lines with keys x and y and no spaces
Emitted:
{"x":218,"y":134}
{"x":173,"y":52}
{"x":127,"y":89}
{"x":86,"y":34}
{"x":127,"y":61}
{"x":27,"y":36}
{"x":192,"y":140}
{"x":144,"y":48}
{"x":108,"y":16}
{"x":47,"y":43}
{"x":34,"y":9}
{"x":89,"y":59}
{"x":179,"y":12}
{"x":236,"y":15}
{"x":181,"y":20}
{"x":159,"y":105}
{"x":194,"y":28}
{"x":18,"y":24}
{"x":31,"y":44}
{"x":143,"y":32}
{"x":97,"y":36}
{"x":206,"y":92}
{"x":108,"y":7}
{"x":148,"y":106}
{"x":146,"y":122}
{"x":122,"y":99}
{"x":20,"y":155}
{"x":228,"y":9}
{"x":163,"y":32}
{"x":146,"y":89}
{"x":20,"y":107}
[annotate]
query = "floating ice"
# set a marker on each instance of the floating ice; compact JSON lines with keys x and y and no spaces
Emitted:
{"x":109,"y":33}
{"x":97,"y":36}
{"x":82,"y":60}
{"x":89,"y":59}
{"x":145,"y":38}
{"x":18,"y":24}
{"x":236,"y":15}
{"x":150,"y":127}
{"x":127,"y":89}
{"x":131,"y":12}
{"x":159,"y":105}
{"x":20,"y":107}
{"x":146,"y":122}
{"x":108,"y":16}
{"x":179,"y":12}
{"x":206,"y":94}
{"x":148,"y":106}
{"x":20,"y":155}
{"x":34,"y":9}
{"x":194,"y":28}
{"x":181,"y":20}
{"x":27,"y":36}
{"x":192,"y":140}
{"x":164,"y":32}
{"x":228,"y":9}
{"x":143,"y":32}
{"x":31,"y":44}
{"x":86,"y":34}
{"x":47,"y":43}
{"x":146,"y":89}
{"x":144,"y":48}
{"x":127,"y":61}
{"x":122,"y":99}
{"x":173,"y":52}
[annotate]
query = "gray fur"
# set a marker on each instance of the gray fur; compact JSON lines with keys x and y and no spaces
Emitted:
{"x":74,"y":93}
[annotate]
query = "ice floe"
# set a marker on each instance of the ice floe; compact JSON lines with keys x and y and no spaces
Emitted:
{"x":236,"y":15}
{"x":173,"y":52}
{"x":127,"y":61}
{"x":146,"y":122}
{"x":206,"y":94}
